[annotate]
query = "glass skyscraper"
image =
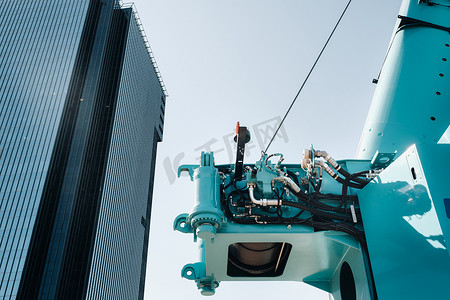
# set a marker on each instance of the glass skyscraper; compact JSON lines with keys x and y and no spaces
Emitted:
{"x":81,"y":111}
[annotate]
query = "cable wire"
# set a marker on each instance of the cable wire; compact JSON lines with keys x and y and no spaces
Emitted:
{"x":307,"y":76}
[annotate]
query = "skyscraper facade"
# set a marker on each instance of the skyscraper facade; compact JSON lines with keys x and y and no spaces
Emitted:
{"x":81,"y":111}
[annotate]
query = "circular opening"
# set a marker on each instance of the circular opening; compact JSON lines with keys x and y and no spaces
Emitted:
{"x":438,"y":93}
{"x":183,"y":224}
{"x":347,"y":283}
{"x":441,"y":75}
{"x":433,"y":119}
{"x":188,"y":272}
{"x":384,"y":160}
{"x":444,"y":59}
{"x":380,"y":134}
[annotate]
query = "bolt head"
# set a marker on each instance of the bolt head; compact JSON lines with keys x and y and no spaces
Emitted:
{"x":206,"y":232}
{"x":207,"y":291}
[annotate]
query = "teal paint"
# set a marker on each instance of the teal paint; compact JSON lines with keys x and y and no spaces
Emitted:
{"x":447,"y":207}
{"x":404,"y":220}
{"x":406,"y":225}
{"x":411,"y":101}
{"x":315,"y":257}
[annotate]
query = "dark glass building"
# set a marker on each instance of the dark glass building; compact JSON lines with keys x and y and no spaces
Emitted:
{"x":81,"y":112}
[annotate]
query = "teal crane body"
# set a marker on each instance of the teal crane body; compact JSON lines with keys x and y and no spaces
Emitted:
{"x":411,"y":103}
{"x":375,"y":227}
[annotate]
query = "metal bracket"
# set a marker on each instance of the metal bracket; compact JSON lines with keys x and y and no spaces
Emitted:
{"x":193,"y":271}
{"x":189,"y":169}
{"x":197,"y":272}
{"x":181,"y":224}
{"x":382,"y":160}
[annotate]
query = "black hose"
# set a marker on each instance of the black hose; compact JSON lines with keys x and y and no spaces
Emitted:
{"x":324,"y":214}
{"x":352,"y":176}
{"x":293,"y":177}
{"x":319,"y":185}
{"x":350,"y":184}
{"x":314,"y":200}
{"x":317,"y":225}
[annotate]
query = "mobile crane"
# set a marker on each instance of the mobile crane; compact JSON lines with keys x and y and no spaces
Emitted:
{"x":373,"y":227}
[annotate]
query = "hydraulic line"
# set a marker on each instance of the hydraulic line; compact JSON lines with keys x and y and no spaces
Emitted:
{"x":337,"y":167}
{"x":276,"y":170}
{"x":337,"y":177}
{"x":329,"y":217}
{"x":262,"y":202}
{"x":288,"y":182}
{"x":324,"y":214}
{"x":293,"y":176}
{"x":314,"y":201}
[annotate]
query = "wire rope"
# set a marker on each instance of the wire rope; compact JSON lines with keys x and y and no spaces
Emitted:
{"x":307,"y":76}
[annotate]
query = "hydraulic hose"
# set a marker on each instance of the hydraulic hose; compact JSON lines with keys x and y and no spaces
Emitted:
{"x":337,"y":177}
{"x":338,"y":168}
{"x":314,"y":211}
{"x":262,"y":202}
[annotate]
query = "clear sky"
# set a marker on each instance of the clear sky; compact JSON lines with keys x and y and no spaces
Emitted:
{"x":244,"y":60}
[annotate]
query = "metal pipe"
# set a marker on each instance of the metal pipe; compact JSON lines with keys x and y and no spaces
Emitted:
{"x":287,"y":181}
{"x":263,"y":202}
{"x":327,"y":169}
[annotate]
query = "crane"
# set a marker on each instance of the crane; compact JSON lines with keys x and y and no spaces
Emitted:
{"x":373,"y":227}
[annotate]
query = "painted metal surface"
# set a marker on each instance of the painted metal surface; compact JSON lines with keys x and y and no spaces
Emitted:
{"x":404,"y":212}
{"x":406,"y":225}
{"x":411,"y":104}
{"x":206,"y":216}
{"x":315,"y":257}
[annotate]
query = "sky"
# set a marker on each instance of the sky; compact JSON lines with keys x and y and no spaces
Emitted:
{"x":244,"y":60}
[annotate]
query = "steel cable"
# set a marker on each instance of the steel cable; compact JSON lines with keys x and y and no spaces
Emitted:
{"x":307,"y":76}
